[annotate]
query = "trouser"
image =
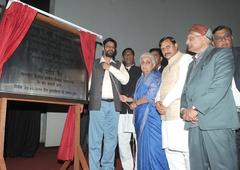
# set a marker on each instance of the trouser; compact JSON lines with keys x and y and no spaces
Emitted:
{"x":125,"y":151}
{"x":125,"y":132}
{"x":238,"y":142}
{"x":103,"y":127}
{"x":212,"y":149}
{"x":175,"y":143}
{"x":177,"y":160}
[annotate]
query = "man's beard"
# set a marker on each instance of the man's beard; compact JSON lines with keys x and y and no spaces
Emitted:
{"x":109,"y":54}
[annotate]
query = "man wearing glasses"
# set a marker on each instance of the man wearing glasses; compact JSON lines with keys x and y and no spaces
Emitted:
{"x":222,"y":38}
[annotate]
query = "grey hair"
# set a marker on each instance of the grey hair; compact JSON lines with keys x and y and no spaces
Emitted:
{"x":148,"y":55}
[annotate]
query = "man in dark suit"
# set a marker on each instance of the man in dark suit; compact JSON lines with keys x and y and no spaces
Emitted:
{"x":104,"y":106}
{"x":125,"y":127}
{"x":207,"y":104}
{"x":223,"y":38}
{"x":236,"y":53}
{"x":160,"y":60}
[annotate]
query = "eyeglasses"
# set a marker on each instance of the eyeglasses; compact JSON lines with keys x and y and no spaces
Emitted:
{"x":222,"y":38}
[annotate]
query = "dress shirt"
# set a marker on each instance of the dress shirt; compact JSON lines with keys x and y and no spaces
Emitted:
{"x":120,"y":74}
{"x":236,"y":94}
{"x":129,"y":67}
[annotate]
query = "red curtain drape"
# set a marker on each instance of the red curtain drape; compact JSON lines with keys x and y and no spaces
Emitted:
{"x":66,"y":149}
{"x":88,"y":43}
{"x":15,"y":23}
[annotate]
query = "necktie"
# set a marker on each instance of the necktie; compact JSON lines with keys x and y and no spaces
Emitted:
{"x":193,"y":67}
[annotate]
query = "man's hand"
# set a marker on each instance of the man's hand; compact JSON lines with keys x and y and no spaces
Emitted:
{"x":190,"y":115}
{"x":124,"y":98}
{"x":133,"y":105}
{"x":105,"y":66}
{"x":161,"y":108}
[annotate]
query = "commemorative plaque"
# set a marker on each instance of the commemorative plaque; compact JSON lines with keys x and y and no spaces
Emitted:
{"x":47,"y":64}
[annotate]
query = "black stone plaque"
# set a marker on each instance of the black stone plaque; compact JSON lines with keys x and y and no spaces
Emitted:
{"x":47,"y":63}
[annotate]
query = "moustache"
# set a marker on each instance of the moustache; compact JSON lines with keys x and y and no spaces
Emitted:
{"x":166,"y":54}
{"x":110,"y":53}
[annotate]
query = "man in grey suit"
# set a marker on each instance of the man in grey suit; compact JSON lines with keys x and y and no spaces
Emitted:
{"x":207,"y":104}
{"x":236,"y":53}
{"x":223,"y":38}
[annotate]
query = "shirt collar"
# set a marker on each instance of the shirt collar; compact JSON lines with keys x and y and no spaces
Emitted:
{"x":199,"y":55}
{"x":102,"y":60}
{"x":129,"y":67}
{"x":175,"y":57}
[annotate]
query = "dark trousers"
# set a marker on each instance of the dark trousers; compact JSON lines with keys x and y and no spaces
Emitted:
{"x":238,"y":143}
{"x":212,"y":149}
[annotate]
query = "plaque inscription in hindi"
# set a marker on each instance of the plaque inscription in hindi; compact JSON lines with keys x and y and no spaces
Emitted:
{"x":47,"y":63}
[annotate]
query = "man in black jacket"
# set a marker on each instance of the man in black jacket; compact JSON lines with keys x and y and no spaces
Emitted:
{"x":161,"y":61}
{"x":126,"y":128}
{"x":104,"y":106}
{"x":236,"y":53}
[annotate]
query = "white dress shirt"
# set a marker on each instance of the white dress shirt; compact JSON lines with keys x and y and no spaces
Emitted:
{"x":236,"y":93}
{"x":120,"y":74}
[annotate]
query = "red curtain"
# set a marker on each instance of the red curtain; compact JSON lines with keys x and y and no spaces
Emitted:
{"x":88,"y":43}
{"x":66,"y":149}
{"x":15,"y":23}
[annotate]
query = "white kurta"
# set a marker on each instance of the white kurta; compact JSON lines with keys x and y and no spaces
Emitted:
{"x":125,"y":124}
{"x":174,"y":137}
{"x":236,"y":94}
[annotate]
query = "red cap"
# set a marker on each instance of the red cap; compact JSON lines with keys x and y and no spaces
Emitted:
{"x":201,"y":29}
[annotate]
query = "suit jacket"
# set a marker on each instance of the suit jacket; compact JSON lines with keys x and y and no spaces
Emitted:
{"x":161,"y":69}
{"x":129,"y":88}
{"x":236,"y":53}
{"x":209,"y":90}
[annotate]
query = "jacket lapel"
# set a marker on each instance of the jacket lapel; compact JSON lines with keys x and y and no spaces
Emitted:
{"x":207,"y":54}
{"x":190,"y":67}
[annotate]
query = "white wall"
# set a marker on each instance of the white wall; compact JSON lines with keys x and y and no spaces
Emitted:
{"x":55,"y":122}
{"x":140,"y":24}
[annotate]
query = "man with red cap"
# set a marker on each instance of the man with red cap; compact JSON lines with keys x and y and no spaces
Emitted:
{"x":207,"y":104}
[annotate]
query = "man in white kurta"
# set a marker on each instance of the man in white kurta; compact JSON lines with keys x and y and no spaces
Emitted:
{"x":174,"y":137}
{"x":126,"y":128}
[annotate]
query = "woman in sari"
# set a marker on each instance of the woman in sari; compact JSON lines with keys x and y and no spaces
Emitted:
{"x":150,"y":155}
